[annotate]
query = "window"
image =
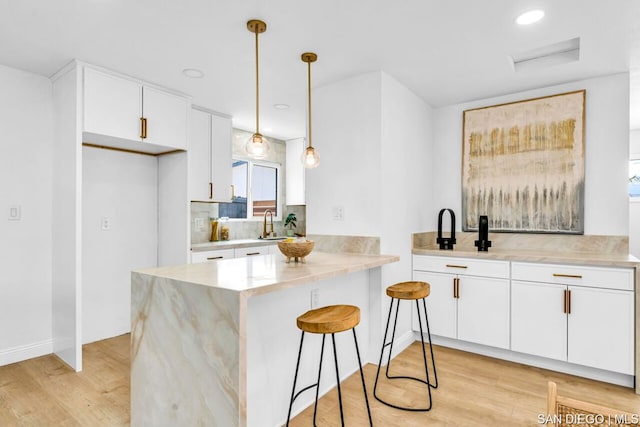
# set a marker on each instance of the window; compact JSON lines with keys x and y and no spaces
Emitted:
{"x":256,"y":189}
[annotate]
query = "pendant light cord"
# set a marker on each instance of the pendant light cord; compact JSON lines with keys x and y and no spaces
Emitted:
{"x":309,"y":97}
{"x":257,"y":89}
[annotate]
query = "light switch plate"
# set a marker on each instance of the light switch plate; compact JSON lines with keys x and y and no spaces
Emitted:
{"x":15,"y":213}
{"x":337,"y":213}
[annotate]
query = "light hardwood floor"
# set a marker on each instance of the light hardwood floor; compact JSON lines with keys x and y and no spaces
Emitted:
{"x":474,"y":391}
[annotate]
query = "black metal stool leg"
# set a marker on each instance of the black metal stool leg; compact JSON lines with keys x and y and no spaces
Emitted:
{"x":433,"y":360}
{"x":295,"y":378}
{"x":295,"y":395}
{"x":335,"y":358}
{"x":426,"y":382}
{"x":315,"y":405}
{"x":364,"y":387}
{"x":384,"y":344}
{"x":393,"y":336}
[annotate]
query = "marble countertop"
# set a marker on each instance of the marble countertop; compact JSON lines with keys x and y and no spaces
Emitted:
{"x":268,"y":273}
{"x":590,"y":258}
{"x":230,"y":244}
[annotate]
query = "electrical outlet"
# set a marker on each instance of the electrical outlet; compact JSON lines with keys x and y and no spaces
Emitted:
{"x":105,"y":223}
{"x":199,"y":224}
{"x":14,"y":213}
{"x":315,"y":298}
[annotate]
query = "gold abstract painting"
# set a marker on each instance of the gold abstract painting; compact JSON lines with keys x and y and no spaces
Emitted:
{"x":523,"y":165}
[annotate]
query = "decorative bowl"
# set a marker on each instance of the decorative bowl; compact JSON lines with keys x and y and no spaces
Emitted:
{"x":295,"y":250}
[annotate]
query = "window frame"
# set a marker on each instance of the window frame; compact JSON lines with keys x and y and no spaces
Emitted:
{"x":265,"y":163}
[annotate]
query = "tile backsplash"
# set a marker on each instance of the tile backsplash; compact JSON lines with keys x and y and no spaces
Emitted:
{"x":202,"y":213}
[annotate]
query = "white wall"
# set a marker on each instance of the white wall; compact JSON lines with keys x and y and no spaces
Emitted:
{"x":634,"y":203}
{"x":347,"y":135}
{"x":26,"y":134}
{"x":405,"y":187}
{"x":374,"y":137}
{"x":606,"y":144}
{"x":124,"y":188}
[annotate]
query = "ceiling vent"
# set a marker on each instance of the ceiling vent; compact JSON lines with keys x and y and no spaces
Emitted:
{"x":545,"y":56}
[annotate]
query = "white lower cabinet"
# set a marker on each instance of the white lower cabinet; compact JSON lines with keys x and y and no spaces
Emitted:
{"x":251,"y":251}
{"x":464,"y":306}
{"x":212,"y":255}
{"x":582,"y":315}
{"x":216,"y":254}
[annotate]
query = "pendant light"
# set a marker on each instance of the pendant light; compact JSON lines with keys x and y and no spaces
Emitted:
{"x":310,"y":157}
{"x":257,"y":146}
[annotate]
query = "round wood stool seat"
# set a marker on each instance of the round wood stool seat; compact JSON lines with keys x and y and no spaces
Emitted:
{"x":409,"y":290}
{"x":329,"y":319}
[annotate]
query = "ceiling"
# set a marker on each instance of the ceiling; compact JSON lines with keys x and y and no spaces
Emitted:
{"x":446,"y":52}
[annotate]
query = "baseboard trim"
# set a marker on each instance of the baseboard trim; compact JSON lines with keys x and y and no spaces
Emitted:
{"x":24,"y":352}
{"x":537,"y":361}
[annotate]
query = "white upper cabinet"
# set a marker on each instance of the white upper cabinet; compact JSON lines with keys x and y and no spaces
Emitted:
{"x":166,"y":118}
{"x":123,"y":113}
{"x":210,"y":157}
{"x":221,"y":164}
{"x":112,"y":105}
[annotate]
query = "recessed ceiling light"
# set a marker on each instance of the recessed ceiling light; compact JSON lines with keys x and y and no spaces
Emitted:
{"x":530,"y":17}
{"x":281,"y":106}
{"x":193,"y":73}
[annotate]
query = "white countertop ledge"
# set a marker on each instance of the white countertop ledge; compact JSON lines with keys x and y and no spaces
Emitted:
{"x":261,"y":274}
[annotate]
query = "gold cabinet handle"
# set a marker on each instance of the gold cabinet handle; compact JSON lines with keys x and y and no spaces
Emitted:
{"x":252,"y":253}
{"x":215,"y":257}
{"x":456,"y":287}
{"x":572,"y":276}
{"x":564,"y":301}
{"x":569,"y":302}
{"x":143,"y":128}
{"x":456,"y":266}
{"x":233,"y":192}
{"x":210,"y":190}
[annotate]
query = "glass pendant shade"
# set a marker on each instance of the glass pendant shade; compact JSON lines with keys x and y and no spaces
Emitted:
{"x":257,"y":146}
{"x":310,"y":158}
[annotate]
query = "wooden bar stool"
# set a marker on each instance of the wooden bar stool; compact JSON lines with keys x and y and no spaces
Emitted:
{"x":408,"y":291}
{"x":328,"y":320}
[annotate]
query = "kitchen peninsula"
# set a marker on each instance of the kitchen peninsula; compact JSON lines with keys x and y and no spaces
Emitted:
{"x":214,"y":343}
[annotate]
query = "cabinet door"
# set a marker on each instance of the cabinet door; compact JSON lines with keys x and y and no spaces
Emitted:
{"x":221,"y":158}
{"x":600,"y":329}
{"x":483,"y":311}
{"x":441,"y":306}
{"x":538,"y":321}
{"x":112,"y":105}
{"x":167,"y":118}
{"x":199,"y":154}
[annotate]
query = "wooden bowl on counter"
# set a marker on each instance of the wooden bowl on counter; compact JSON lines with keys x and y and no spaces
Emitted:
{"x":295,"y":250}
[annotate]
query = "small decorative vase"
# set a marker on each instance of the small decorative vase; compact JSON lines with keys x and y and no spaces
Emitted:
{"x":290,"y":233}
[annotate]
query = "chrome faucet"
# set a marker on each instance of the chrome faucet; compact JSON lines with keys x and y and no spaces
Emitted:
{"x":264,"y":224}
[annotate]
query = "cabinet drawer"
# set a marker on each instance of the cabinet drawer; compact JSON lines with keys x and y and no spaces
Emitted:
{"x":252,"y":250}
{"x":211,"y":255}
{"x":577,"y":275}
{"x":466,"y":266}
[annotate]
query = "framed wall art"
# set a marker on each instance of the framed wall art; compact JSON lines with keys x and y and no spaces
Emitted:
{"x":523,"y":165}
